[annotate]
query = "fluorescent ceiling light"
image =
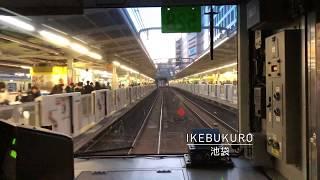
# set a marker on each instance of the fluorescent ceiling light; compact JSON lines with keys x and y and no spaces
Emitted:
{"x":125,"y":67}
{"x":116,"y":63}
{"x":94,"y":55}
{"x":54,"y":29}
{"x":215,"y":69}
{"x":54,"y":38}
{"x":136,"y":72}
{"x":79,"y":48}
{"x":25,"y":67}
{"x":128,"y":69}
{"x":16,"y":22}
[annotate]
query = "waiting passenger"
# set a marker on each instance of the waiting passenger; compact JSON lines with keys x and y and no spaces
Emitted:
{"x":103,"y":86}
{"x":97,"y":86}
{"x":57,"y":89}
{"x":88,"y":88}
{"x":108,"y":86}
{"x":79,"y":87}
{"x":4,"y":114}
{"x":70,"y":88}
{"x":3,"y":94}
{"x":19,"y":96}
{"x":33,"y":94}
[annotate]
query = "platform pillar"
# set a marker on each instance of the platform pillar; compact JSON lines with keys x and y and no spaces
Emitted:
{"x":70,"y":71}
{"x":115,"y":82}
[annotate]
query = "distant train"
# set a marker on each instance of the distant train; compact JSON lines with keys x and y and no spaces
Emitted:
{"x":226,"y":92}
{"x":162,"y":83}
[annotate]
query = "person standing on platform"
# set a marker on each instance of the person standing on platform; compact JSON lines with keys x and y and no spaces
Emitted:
{"x":3,"y":94}
{"x":97,"y":86}
{"x":108,"y":86}
{"x":79,"y":88}
{"x":19,"y":96}
{"x":88,"y":88}
{"x":35,"y":92}
{"x":58,"y":88}
{"x":70,"y":88}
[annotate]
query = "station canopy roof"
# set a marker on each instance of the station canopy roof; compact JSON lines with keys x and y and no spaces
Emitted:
{"x":108,"y":31}
{"x":224,"y":53}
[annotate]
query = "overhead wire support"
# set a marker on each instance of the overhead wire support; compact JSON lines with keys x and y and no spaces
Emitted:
{"x":211,"y":13}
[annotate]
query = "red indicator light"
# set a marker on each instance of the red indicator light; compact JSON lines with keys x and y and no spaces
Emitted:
{"x":181,"y":112}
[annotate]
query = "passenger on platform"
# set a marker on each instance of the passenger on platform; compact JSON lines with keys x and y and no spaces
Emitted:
{"x":97,"y":86}
{"x":3,"y":94}
{"x":79,"y":87}
{"x":57,"y":89}
{"x":103,"y":86}
{"x":19,"y":96}
{"x":4,"y":114}
{"x":88,"y":88}
{"x":108,"y":86}
{"x":33,"y":94}
{"x":70,"y":88}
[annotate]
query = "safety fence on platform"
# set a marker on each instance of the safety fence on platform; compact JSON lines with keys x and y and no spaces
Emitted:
{"x":26,"y":113}
{"x":225,"y":92}
{"x":73,"y":113}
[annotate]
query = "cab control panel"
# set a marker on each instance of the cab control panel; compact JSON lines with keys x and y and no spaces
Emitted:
{"x":283,"y":61}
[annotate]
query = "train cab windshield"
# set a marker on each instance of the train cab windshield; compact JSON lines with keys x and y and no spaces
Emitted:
{"x":98,"y":87}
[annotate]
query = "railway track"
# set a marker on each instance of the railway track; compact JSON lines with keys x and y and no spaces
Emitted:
{"x":227,"y":119}
{"x":154,"y":127}
{"x":120,"y":138}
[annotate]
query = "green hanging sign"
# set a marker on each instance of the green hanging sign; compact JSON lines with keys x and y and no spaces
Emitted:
{"x":181,"y":19}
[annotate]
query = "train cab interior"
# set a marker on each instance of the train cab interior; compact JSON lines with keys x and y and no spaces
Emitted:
{"x":159,"y":90}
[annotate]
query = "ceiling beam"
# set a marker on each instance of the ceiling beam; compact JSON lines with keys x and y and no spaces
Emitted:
{"x":114,"y":40}
{"x":99,"y":30}
{"x":29,"y":44}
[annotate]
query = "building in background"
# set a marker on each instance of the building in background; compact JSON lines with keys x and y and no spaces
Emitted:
{"x":227,"y":18}
{"x":192,"y":45}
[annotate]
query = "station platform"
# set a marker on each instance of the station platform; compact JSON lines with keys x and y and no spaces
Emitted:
{"x":225,"y":96}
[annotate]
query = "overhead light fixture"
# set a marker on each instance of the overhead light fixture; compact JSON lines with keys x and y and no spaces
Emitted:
{"x":94,"y":55}
{"x":116,"y":63}
{"x":54,"y":38}
{"x":129,"y":69}
{"x":54,"y":29}
{"x":215,"y":69}
{"x":136,"y":72}
{"x":125,"y":67}
{"x":25,"y":67}
{"x":79,"y":48}
{"x":17,"y":22}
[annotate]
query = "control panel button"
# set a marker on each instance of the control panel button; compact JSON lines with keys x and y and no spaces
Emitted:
{"x":277,"y":111}
{"x":276,"y":96}
{"x":276,"y":145}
